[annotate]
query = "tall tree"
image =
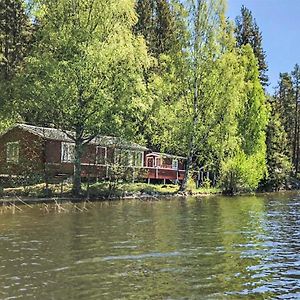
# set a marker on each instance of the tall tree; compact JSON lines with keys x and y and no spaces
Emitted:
{"x":248,"y":32}
{"x":296,"y":143}
{"x":247,"y":167}
{"x":157,"y":23}
{"x":85,"y":73}
{"x":278,"y":161}
{"x":204,"y":107}
{"x":287,"y":95}
{"x":16,"y":32}
{"x":15,"y":36}
{"x":286,"y":107}
{"x":162,"y":23}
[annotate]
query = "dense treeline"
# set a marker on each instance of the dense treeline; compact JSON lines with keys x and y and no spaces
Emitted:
{"x":175,"y":75}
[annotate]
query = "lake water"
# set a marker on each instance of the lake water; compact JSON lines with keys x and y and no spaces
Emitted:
{"x":199,"y":248}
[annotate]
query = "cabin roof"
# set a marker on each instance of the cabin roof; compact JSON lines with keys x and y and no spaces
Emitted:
{"x":65,"y":136}
{"x":166,"y":155}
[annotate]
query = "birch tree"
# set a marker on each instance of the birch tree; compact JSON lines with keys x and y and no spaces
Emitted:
{"x":208,"y":41}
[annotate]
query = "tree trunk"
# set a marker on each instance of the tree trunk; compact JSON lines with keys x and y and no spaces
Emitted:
{"x":183,"y":186}
{"x":191,"y":143}
{"x":295,"y":141}
{"x":77,"y":163}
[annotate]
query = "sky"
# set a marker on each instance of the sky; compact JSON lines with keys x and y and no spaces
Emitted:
{"x":279,"y":22}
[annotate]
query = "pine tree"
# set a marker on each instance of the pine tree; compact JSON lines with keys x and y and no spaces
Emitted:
{"x":286,"y":107}
{"x":278,"y":162}
{"x":248,"y":32}
{"x":162,"y":24}
{"x":145,"y":24}
{"x":15,"y":36}
{"x":156,"y":22}
{"x":296,"y":145}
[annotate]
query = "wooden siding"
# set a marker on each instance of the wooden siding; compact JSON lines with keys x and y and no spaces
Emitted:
{"x":41,"y":156}
{"x":31,"y":156}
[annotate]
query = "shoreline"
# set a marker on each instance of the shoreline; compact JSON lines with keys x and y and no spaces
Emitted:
{"x":19,"y":200}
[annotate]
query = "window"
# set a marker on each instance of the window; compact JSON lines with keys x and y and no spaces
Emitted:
{"x":175,"y":164}
{"x":101,"y":155}
{"x":129,"y":158}
{"x":138,"y":159}
{"x":123,"y":157}
{"x":67,"y":152}
{"x":12,"y":152}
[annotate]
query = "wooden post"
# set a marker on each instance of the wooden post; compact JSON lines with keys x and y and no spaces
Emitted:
{"x":198,"y":180}
{"x":133,"y":170}
{"x":61,"y":188}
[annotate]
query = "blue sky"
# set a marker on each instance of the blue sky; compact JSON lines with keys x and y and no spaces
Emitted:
{"x":279,"y":21}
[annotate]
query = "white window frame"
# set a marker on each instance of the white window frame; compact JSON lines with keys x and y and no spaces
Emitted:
{"x":130,"y":154}
{"x":142,"y":155}
{"x":69,"y":157}
{"x":12,"y":157}
{"x":105,"y":155}
{"x":158,"y":162}
{"x":175,"y":164}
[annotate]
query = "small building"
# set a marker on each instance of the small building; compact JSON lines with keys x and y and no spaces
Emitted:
{"x":165,"y":166}
{"x":50,"y":152}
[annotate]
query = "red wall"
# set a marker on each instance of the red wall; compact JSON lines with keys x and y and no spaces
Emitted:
{"x":31,"y":154}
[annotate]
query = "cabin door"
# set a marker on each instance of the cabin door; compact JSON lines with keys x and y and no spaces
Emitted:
{"x":150,"y":162}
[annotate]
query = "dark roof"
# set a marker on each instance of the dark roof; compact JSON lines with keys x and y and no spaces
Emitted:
{"x":65,"y":136}
{"x":159,"y":154}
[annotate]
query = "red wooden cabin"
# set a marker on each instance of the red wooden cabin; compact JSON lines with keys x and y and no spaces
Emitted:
{"x":26,"y":148}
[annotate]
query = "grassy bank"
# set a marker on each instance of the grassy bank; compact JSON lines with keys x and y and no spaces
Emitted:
{"x":102,"y":190}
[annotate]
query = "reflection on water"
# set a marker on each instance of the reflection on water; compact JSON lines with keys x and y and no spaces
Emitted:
{"x":211,"y":248}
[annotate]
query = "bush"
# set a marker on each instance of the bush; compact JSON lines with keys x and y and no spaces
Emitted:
{"x":242,"y":173}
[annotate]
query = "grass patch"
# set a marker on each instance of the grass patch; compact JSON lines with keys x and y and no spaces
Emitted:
{"x":39,"y":190}
{"x":108,"y":189}
{"x":104,"y":190}
{"x":208,"y":190}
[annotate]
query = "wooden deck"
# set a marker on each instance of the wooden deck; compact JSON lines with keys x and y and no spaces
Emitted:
{"x":164,"y":173}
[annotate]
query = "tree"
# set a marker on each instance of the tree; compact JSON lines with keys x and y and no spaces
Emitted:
{"x":248,"y":32}
{"x":247,"y":167}
{"x":209,"y":100}
{"x":85,"y":73}
{"x":16,"y":35}
{"x":278,"y":162}
{"x":296,"y":143}
{"x":286,"y":107}
{"x":157,"y":23}
{"x":162,"y":24}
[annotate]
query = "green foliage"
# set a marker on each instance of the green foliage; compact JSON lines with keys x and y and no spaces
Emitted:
{"x":245,"y":168}
{"x":16,"y":35}
{"x":240,"y":173}
{"x":287,"y":106}
{"x":248,"y":32}
{"x":200,"y":93}
{"x":86,"y":70}
{"x":109,"y":190}
{"x":278,"y":162}
{"x":5,"y":123}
